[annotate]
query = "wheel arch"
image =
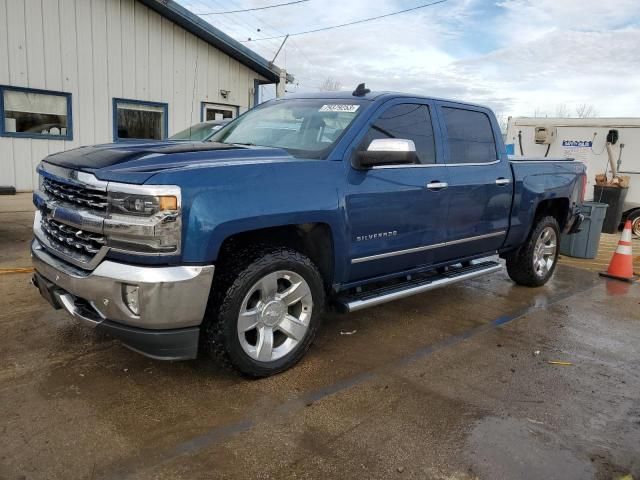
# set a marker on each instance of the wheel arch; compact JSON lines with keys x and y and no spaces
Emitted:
{"x":559,"y":208}
{"x":314,"y":239}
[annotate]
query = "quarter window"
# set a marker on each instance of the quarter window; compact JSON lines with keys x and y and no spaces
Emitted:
{"x":138,"y":120}
{"x":35,"y":113}
{"x":470,"y":136}
{"x":407,"y":121}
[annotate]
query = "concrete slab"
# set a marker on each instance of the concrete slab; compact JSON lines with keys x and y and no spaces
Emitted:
{"x":445,"y":385}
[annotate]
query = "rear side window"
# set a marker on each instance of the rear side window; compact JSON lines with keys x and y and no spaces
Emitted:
{"x":407,"y":121}
{"x":470,"y":136}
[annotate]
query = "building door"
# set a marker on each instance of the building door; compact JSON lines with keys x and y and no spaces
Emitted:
{"x":214,"y":111}
{"x":397,"y":213}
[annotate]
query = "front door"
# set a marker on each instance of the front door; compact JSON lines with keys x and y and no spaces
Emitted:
{"x":397,"y":213}
{"x":480,"y":182}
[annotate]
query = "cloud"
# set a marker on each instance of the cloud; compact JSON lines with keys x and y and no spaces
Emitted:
{"x":515,"y":56}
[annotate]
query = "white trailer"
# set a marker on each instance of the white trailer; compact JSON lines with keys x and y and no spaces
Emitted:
{"x":583,"y":139}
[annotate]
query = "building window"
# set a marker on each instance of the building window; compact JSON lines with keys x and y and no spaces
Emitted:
{"x":31,"y":113}
{"x":213,"y":111}
{"x":138,"y":120}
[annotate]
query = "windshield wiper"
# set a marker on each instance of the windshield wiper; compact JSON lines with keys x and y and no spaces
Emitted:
{"x":245,"y":144}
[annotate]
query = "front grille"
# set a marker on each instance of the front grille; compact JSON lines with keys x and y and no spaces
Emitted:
{"x":71,"y":240}
{"x":83,"y":196}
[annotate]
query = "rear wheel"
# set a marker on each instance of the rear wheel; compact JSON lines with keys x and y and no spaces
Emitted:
{"x":635,"y":224}
{"x":534,"y":264}
{"x":266,"y":317}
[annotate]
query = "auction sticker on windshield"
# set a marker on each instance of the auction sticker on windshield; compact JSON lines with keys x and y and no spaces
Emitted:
{"x":339,"y":108}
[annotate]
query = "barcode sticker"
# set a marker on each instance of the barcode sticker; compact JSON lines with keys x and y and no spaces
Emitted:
{"x":339,"y":108}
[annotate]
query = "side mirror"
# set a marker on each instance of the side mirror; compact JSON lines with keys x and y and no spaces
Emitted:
{"x":387,"y":151}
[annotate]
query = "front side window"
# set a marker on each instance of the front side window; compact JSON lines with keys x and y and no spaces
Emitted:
{"x":407,"y":121}
{"x":135,"y":120}
{"x":306,"y":128}
{"x":35,"y":113}
{"x":470,"y":136}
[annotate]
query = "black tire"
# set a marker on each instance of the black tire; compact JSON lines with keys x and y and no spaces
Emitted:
{"x":232,"y":284}
{"x":520,"y":264}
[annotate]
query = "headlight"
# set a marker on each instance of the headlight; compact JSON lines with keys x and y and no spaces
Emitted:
{"x":141,"y":205}
{"x":144,"y":219}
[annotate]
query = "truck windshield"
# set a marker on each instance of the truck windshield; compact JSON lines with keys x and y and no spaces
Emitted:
{"x":306,"y":128}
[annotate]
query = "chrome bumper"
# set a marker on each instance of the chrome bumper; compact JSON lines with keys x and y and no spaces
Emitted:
{"x":169,"y":297}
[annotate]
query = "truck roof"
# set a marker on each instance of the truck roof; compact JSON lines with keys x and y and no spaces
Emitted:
{"x":372,"y":96}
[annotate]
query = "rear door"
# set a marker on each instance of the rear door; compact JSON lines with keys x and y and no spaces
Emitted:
{"x":480,"y":181}
{"x":396,"y":213}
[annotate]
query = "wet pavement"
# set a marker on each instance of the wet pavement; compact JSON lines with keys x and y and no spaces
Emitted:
{"x":450,"y":384}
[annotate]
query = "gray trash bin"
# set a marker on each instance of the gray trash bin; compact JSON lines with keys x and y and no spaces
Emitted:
{"x":584,"y":244}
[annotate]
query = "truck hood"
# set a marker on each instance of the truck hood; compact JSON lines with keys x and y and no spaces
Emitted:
{"x":137,"y":162}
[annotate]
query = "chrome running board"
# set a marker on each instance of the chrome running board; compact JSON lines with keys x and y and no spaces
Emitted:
{"x":413,"y":286}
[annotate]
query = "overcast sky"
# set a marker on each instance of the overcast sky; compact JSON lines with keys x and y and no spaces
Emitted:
{"x":517,"y":56}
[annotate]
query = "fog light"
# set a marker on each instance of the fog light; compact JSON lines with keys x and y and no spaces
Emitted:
{"x":130,"y":295}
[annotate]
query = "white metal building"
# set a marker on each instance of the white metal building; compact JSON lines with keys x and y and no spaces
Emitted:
{"x":82,"y":72}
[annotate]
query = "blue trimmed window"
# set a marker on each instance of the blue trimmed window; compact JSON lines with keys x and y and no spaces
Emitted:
{"x":139,"y":120}
{"x":34,"y":113}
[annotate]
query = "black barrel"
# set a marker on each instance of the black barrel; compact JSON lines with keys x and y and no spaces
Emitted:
{"x":614,"y":197}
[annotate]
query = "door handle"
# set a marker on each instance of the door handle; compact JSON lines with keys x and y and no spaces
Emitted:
{"x":437,"y":185}
{"x":502,"y":181}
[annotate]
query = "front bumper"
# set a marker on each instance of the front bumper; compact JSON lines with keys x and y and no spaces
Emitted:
{"x":171,"y":301}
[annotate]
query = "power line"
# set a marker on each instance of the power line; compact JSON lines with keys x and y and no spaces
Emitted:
{"x":350,"y":23}
{"x":243,"y":24}
{"x":254,"y":9}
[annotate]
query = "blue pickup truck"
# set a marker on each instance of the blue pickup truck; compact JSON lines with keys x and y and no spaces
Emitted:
{"x":233,"y":247}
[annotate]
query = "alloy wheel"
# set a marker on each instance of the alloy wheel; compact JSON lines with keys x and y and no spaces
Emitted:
{"x":544,"y":253}
{"x":274,"y":316}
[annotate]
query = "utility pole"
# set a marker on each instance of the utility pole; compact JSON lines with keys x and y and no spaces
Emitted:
{"x":281,"y":86}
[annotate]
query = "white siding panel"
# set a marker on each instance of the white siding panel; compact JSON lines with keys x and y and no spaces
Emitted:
{"x":234,"y":80}
{"x":167,"y":69}
{"x":22,"y":161}
{"x":69,"y":49}
{"x":178,"y":109}
{"x":35,"y":43}
{"x":128,"y":49}
{"x":142,"y":51}
{"x":202,"y":84}
{"x":114,"y":48}
{"x":85,"y":72}
{"x":39,"y":150}
{"x":191,"y":54}
{"x":155,"y":56}
{"x":7,"y":170}
{"x":101,"y":103}
{"x":16,"y":28}
{"x":213,"y":85}
{"x":4,"y":45}
{"x":52,"y":46}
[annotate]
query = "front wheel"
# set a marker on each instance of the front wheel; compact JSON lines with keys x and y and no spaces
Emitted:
{"x":534,"y":264}
{"x":268,"y":314}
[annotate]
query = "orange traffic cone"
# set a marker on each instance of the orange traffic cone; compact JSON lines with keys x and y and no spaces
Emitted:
{"x":621,"y":266}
